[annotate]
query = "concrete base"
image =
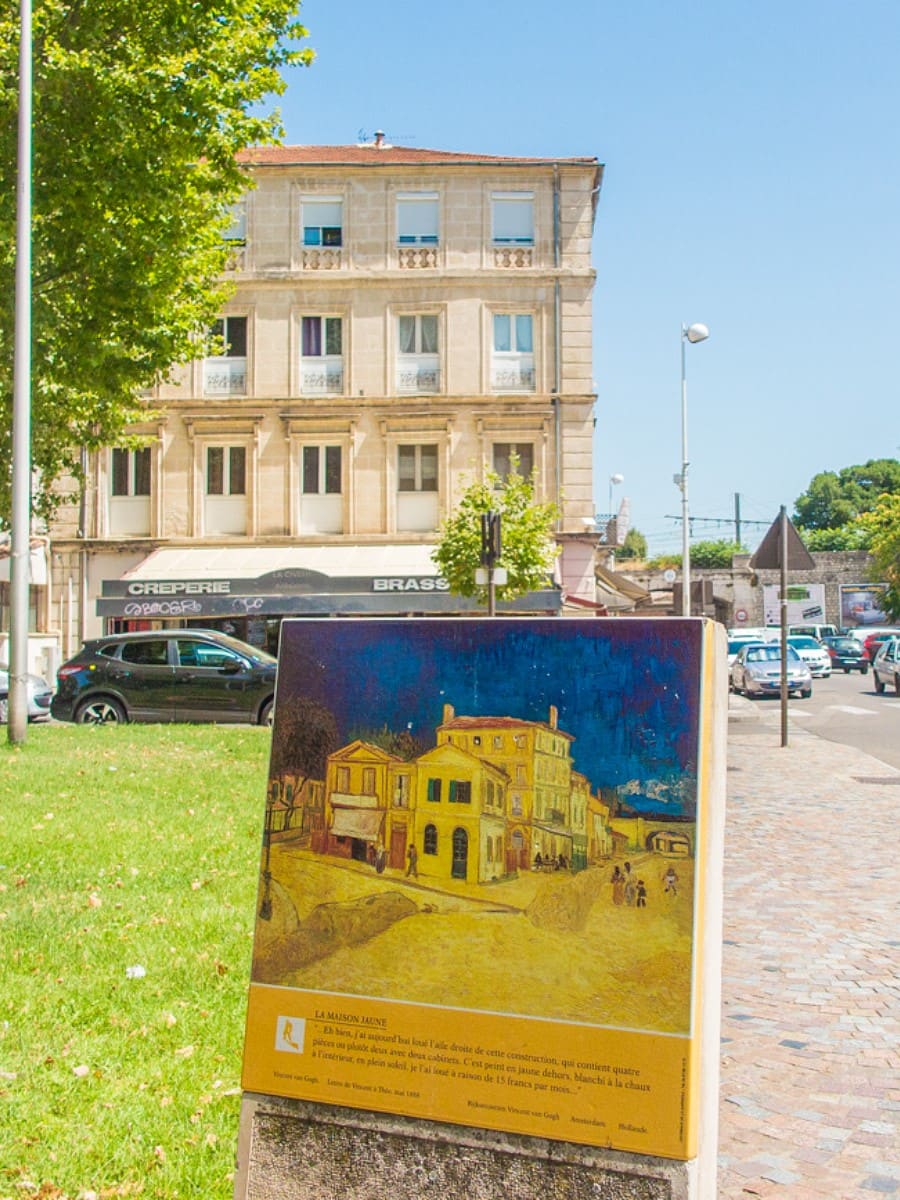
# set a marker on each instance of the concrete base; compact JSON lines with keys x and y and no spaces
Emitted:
{"x":296,"y":1150}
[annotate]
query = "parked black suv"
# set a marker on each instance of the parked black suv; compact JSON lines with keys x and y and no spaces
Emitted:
{"x":166,"y":675}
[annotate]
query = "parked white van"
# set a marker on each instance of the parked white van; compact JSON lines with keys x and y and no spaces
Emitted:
{"x":815,"y":631}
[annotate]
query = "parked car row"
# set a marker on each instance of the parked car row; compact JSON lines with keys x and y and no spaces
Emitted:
{"x":201,"y":675}
{"x":755,"y":663}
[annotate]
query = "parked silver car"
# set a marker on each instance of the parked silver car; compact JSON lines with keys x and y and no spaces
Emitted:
{"x":886,"y":666}
{"x":757,"y":672}
{"x":39,"y":693}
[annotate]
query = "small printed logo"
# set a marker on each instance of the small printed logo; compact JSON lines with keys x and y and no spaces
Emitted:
{"x":289,"y":1034}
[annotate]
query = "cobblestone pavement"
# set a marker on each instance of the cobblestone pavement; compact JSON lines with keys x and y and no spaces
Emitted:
{"x":810,"y":1083}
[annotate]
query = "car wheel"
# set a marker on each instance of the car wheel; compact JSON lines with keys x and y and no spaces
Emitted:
{"x":879,"y":686}
{"x":846,"y":670}
{"x":864,"y":669}
{"x":100,"y":711}
{"x":897,"y":684}
{"x":805,"y":693}
{"x":267,"y":713}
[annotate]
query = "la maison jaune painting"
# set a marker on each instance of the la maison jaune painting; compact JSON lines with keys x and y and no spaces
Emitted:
{"x":481,"y":875}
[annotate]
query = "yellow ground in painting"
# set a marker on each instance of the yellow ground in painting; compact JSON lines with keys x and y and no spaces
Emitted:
{"x":465,"y":948}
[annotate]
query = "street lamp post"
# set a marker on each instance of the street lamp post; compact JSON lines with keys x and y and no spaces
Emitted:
{"x":20,"y":516}
{"x":692,"y":334}
{"x":615,"y":480}
{"x":612,"y":526}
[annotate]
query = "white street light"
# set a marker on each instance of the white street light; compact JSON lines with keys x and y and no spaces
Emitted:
{"x":692,"y":334}
{"x":614,"y":481}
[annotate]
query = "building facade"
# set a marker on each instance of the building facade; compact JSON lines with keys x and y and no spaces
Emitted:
{"x":402,"y":320}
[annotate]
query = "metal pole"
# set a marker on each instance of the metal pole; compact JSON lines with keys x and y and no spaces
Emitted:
{"x":20,"y":525}
{"x":783,"y":564}
{"x":685,"y":526}
{"x":737,"y":518}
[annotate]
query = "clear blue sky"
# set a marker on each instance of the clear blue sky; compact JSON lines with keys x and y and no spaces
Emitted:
{"x":752,"y":183}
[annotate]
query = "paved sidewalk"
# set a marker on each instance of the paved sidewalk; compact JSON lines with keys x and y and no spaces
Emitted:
{"x":810,"y":1084}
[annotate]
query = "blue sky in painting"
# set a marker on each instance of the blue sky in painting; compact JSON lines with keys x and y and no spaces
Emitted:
{"x":627,"y":691}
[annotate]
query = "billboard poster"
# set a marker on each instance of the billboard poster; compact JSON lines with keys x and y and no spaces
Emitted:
{"x":862,"y":604}
{"x":805,"y":603}
{"x":483,"y":874}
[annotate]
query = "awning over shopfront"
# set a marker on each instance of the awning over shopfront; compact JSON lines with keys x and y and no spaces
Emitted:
{"x":357,"y":823}
{"x":194,"y":582}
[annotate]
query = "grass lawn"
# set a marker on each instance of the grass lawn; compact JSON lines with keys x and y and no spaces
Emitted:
{"x":129,"y":861}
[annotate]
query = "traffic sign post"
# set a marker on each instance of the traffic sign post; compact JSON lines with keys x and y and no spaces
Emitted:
{"x":782,"y":548}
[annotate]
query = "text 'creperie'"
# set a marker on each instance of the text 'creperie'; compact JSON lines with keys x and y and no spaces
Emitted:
{"x":195,"y":587}
{"x":428,"y":583}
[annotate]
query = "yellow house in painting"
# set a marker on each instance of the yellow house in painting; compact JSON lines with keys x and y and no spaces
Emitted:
{"x":493,"y":795}
{"x":358,"y":786}
{"x":536,"y":758}
{"x":460,"y":825}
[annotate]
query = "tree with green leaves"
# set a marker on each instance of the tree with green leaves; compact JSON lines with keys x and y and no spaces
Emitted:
{"x":883,"y":526}
{"x":139,"y":112}
{"x":835,"y":498}
{"x":634,"y":546}
{"x":709,"y":555}
{"x":528,"y":550}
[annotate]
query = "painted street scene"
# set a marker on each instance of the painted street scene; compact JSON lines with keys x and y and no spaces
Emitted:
{"x":528,"y":853}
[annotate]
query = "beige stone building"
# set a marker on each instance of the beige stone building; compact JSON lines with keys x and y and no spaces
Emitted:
{"x":401,"y":320}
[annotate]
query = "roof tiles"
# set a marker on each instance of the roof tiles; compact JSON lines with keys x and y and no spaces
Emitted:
{"x":370,"y":154}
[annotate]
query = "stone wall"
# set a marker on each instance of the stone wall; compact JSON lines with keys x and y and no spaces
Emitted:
{"x":742,"y":588}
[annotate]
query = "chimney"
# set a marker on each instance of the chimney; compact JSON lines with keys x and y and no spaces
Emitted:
{"x":449,"y":714}
{"x":553,"y":720}
{"x":379,"y":138}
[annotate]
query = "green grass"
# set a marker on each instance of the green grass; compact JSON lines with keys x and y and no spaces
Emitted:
{"x":122,"y":847}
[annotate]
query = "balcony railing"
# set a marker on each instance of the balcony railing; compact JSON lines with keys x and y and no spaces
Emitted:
{"x":418,"y":373}
{"x":321,"y":258}
{"x":513,"y":256}
{"x":415,"y":257}
{"x":322,"y":377}
{"x":224,"y":376}
{"x":513,"y":374}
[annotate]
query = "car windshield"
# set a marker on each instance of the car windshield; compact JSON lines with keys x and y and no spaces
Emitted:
{"x":804,"y":643}
{"x":737,"y":644}
{"x":846,"y":643}
{"x":764,"y":654}
{"x":246,"y":651}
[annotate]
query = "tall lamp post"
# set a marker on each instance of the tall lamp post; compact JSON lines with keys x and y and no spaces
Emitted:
{"x":612,"y":525}
{"x":615,"y":480}
{"x":20,"y":516}
{"x":692,"y":334}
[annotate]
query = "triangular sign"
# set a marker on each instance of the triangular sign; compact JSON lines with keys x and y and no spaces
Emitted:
{"x":768,"y":552}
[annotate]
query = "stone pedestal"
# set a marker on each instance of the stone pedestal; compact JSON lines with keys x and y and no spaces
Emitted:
{"x":296,"y":1150}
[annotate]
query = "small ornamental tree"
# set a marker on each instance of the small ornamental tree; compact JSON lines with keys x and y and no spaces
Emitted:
{"x":528,"y":551}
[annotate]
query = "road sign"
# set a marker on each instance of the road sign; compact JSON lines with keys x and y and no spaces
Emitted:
{"x":768,"y":552}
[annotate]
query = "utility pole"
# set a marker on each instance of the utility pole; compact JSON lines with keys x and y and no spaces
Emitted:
{"x":490,"y":553}
{"x":737,"y":518}
{"x":20,"y":523}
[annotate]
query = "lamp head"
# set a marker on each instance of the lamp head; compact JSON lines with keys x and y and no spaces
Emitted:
{"x":617,"y":478}
{"x":696,"y":333}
